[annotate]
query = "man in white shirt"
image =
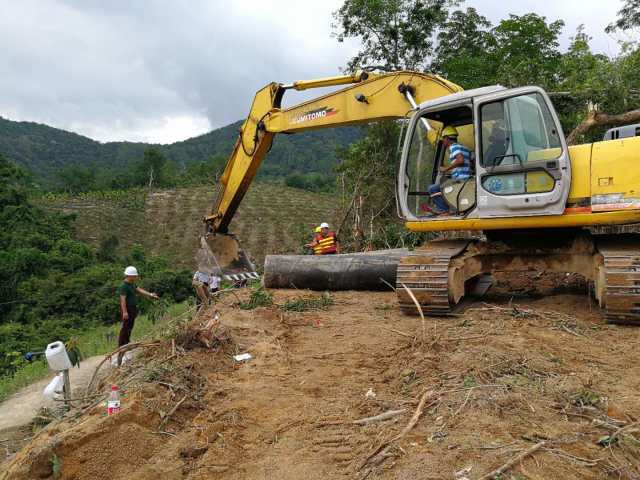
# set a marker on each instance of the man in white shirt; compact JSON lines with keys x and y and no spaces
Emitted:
{"x":214,"y":283}
{"x":200,"y":283}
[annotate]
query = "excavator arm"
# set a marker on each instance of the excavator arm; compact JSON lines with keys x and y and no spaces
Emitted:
{"x":368,"y":97}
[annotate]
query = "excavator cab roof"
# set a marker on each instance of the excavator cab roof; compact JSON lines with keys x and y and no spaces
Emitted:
{"x":461,"y":96}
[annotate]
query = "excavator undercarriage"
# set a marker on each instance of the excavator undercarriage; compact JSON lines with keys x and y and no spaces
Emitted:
{"x":442,"y":271}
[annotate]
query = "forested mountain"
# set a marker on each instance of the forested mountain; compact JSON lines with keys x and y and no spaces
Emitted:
{"x":43,"y":150}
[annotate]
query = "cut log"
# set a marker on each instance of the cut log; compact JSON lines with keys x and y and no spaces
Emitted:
{"x":351,"y":271}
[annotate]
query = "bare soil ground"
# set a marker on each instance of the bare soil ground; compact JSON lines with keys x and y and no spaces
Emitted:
{"x":496,"y":380}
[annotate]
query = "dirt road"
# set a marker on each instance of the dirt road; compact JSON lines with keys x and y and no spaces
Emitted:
{"x":19,"y":409}
{"x":497,"y":380}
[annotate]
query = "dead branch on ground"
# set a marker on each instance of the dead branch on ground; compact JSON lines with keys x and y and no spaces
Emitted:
{"x":398,"y":332}
{"x":380,"y":418}
{"x":380,"y":453}
{"x":518,"y":458}
{"x":118,"y":351}
{"x":165,"y":419}
{"x":627,"y":429}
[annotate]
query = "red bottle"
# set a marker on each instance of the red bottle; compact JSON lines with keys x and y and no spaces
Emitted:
{"x":113,"y":402}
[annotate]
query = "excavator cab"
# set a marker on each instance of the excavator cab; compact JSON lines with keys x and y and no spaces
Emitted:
{"x":520,"y":163}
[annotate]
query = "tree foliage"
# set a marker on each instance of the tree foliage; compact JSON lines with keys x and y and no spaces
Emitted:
{"x":527,"y":49}
{"x":466,"y":49}
{"x":53,"y":286}
{"x":64,"y":161}
{"x":628,"y":17}
{"x":395,"y":34}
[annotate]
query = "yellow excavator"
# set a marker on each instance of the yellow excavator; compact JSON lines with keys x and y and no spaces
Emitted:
{"x":538,"y":203}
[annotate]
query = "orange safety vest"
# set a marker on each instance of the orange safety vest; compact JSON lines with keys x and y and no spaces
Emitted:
{"x":326,"y":244}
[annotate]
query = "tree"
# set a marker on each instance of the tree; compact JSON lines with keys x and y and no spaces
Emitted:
{"x":466,"y":51}
{"x":366,"y":175}
{"x":598,"y":92}
{"x":76,"y":179}
{"x":150,"y":169}
{"x":13,"y":184}
{"x":527,"y":50}
{"x":395,"y":34}
{"x":628,"y":17}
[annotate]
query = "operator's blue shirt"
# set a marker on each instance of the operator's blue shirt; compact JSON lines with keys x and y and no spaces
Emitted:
{"x":463,"y":172}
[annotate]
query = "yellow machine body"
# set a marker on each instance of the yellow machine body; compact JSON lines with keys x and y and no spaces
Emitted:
{"x":605,"y":190}
{"x":604,"y":176}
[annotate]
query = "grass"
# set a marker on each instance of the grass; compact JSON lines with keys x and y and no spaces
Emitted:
{"x":95,"y":341}
{"x":586,"y":398}
{"x":303,"y":304}
{"x":259,"y":298}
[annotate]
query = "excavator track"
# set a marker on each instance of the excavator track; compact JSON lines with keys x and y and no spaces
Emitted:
{"x":425,"y":272}
{"x":620,"y":295}
{"x":439,"y":273}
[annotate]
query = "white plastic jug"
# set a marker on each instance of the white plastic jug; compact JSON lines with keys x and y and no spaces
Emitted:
{"x":54,"y":388}
{"x":57,"y":356}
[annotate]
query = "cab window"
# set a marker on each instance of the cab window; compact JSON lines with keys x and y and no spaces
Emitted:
{"x":518,"y":130}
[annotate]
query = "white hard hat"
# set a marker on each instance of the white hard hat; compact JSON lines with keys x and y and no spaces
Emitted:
{"x":324,"y":225}
{"x":131,"y":271}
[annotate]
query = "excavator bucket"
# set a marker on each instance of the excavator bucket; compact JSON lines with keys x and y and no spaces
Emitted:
{"x":221,"y":255}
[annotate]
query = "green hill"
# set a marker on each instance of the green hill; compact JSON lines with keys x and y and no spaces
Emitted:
{"x":43,"y":150}
{"x":271,"y":219}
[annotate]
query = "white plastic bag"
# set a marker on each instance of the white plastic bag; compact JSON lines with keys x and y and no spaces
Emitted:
{"x":54,"y":388}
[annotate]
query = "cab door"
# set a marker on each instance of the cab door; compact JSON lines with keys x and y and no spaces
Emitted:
{"x":522,"y":163}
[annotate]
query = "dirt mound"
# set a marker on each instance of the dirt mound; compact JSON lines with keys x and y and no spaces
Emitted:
{"x":495,"y":381}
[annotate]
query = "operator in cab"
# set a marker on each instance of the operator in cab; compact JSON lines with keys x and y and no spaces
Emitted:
{"x":459,"y":168}
{"x":325,"y":242}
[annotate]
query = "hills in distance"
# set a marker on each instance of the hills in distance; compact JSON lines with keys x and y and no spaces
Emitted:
{"x":43,"y":150}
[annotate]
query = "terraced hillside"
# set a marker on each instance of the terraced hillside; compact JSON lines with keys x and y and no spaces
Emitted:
{"x":272,"y":219}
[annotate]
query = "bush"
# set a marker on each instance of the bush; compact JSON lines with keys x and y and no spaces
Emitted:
{"x":53,"y":287}
{"x":303,"y":304}
{"x":314,"y":182}
{"x":258,"y":298}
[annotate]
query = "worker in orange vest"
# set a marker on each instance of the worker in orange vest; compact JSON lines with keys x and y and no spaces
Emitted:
{"x":325,"y":242}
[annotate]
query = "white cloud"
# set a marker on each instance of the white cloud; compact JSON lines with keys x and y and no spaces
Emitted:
{"x":164,"y":71}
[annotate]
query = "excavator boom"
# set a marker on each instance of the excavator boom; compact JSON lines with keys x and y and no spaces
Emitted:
{"x":368,"y":97}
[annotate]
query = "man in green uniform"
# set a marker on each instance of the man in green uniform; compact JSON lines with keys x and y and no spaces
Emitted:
{"x":129,"y":303}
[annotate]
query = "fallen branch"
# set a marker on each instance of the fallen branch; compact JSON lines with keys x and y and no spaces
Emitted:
{"x":518,"y":458}
{"x":119,"y":350}
{"x":415,"y":301}
{"x":380,"y":453}
{"x":472,"y":337}
{"x":380,"y":418}
{"x":627,"y":429}
{"x":463,"y":403}
{"x":572,"y":332}
{"x":398,"y":332}
{"x":595,"y":119}
{"x":165,"y":419}
{"x":584,"y":461}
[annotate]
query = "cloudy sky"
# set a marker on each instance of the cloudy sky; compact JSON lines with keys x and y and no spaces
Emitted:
{"x":163,"y":71}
